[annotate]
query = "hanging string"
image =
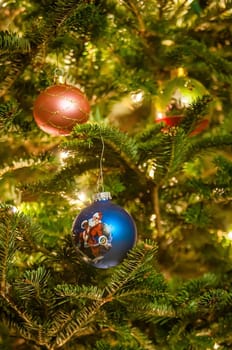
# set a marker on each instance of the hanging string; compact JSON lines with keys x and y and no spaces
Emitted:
{"x":59,"y":74}
{"x":100,"y":181}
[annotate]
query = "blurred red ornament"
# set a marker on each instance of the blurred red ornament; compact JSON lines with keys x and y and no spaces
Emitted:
{"x":59,"y":108}
{"x":177,"y":95}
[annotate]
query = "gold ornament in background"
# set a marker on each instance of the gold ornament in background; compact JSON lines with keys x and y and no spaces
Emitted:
{"x":175,"y":96}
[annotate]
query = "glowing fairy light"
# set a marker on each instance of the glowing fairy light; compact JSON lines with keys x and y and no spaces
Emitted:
{"x":151,"y":167}
{"x":82,"y":196}
{"x":153,"y":217}
{"x":63,"y":155}
{"x":137,"y":97}
{"x":78,"y":199}
{"x":229,"y":235}
{"x":3,"y":4}
{"x":159,"y":115}
{"x":13,"y":209}
{"x":167,"y":42}
{"x":151,"y":173}
{"x":153,"y":220}
{"x":188,"y":2}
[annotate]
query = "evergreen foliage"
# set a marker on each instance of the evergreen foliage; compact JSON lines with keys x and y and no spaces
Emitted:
{"x":173,"y":289}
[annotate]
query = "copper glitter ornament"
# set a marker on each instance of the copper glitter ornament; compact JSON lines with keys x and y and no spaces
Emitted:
{"x":59,"y":108}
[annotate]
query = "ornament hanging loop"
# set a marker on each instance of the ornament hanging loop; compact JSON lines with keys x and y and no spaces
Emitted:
{"x":100,"y":181}
{"x":59,"y":76}
{"x":178,"y":72}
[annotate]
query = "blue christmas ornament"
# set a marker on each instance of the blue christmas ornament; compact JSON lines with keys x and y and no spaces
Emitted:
{"x":103,"y":232}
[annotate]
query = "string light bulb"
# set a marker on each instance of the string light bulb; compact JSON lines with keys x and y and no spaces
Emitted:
{"x":229,"y":235}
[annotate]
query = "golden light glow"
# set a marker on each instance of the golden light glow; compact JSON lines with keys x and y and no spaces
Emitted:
{"x":13,"y":209}
{"x":137,"y":97}
{"x":82,"y":196}
{"x":63,"y":155}
{"x":159,"y":115}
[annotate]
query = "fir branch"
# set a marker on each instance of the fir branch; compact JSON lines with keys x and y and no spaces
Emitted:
{"x":131,"y":268}
{"x":16,"y":65}
{"x":88,"y":19}
{"x":62,"y":180}
{"x":178,"y":152}
{"x":203,"y":297}
{"x":195,"y":113}
{"x":22,"y":164}
{"x":56,"y":329}
{"x":52,"y":188}
{"x":142,"y":339}
{"x":120,"y":149}
{"x":90,"y":135}
{"x":131,"y":5}
{"x":58,"y":320}
{"x":156,"y":204}
{"x":8,"y":112}
{"x":207,"y":144}
{"x":198,"y":215}
{"x":212,"y":59}
{"x":67,"y":292}
{"x":23,"y":234}
{"x":130,"y":338}
{"x":28,"y":321}
{"x":165,"y":154}
{"x":33,"y":285}
{"x":8,"y":246}
{"x":157,"y":159}
{"x":199,"y":50}
{"x":210,"y":190}
{"x":212,"y":13}
{"x":218,"y":300}
{"x":56,"y":17}
{"x":159,"y":311}
{"x":39,"y":40}
{"x":12,"y":42}
{"x":77,"y":324}
{"x":151,"y":133}
{"x":61,"y":11}
{"x":224,"y":171}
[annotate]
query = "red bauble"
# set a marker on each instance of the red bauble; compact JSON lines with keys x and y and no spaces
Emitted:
{"x":59,"y":108}
{"x":175,"y":121}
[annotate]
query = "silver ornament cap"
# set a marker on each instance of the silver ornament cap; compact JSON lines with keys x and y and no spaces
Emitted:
{"x":102,"y":196}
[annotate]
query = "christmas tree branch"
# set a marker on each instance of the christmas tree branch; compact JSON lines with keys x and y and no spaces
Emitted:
{"x":76,"y":324}
{"x":8,"y":113}
{"x":131,"y":5}
{"x":119,"y":147}
{"x":29,"y":322}
{"x":39,"y":40}
{"x":157,"y":211}
{"x":207,"y":144}
{"x":130,"y":268}
{"x":12,"y":42}
{"x":118,"y":289}
{"x":7,"y":245}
